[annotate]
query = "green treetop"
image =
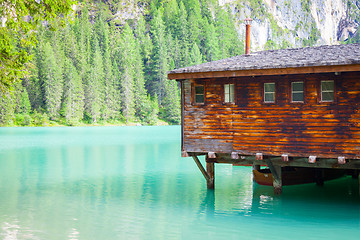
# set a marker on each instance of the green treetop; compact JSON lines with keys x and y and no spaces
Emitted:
{"x":19,"y":20}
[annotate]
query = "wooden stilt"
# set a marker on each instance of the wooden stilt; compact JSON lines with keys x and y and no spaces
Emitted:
{"x":210,"y":169}
{"x":277,"y":178}
{"x":200,"y":166}
{"x":209,"y":173}
{"x":277,"y":183}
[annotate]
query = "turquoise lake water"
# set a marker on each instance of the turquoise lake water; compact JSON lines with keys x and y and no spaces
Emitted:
{"x":131,"y":183}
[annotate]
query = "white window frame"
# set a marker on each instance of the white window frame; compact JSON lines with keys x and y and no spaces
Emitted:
{"x":195,"y":94}
{"x":292,"y":92}
{"x":274,"y":93}
{"x":327,"y":91}
{"x":229,"y":94}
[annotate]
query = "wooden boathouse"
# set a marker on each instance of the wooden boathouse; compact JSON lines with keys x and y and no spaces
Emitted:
{"x":291,"y":107}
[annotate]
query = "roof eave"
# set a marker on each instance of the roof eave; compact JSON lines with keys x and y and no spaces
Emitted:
{"x":264,"y":72}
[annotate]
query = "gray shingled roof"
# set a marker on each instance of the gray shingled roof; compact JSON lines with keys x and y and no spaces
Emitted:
{"x":284,"y":58}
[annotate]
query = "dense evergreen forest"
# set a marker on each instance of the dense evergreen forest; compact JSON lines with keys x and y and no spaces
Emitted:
{"x":97,"y":70}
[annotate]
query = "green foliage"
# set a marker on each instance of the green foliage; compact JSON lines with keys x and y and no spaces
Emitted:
{"x":195,"y":55}
{"x":19,"y":22}
{"x":305,"y":5}
{"x":313,"y":37}
{"x":96,"y":70}
{"x":355,"y":38}
{"x":6,"y":109}
{"x":40,"y":119}
{"x":52,"y":81}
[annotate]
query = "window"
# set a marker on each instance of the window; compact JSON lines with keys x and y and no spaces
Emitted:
{"x":199,"y":94}
{"x":327,"y":91}
{"x":269,"y":92}
{"x":229,"y":96}
{"x":297,"y":91}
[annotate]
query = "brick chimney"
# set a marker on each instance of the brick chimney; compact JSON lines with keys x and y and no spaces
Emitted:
{"x":247,"y":38}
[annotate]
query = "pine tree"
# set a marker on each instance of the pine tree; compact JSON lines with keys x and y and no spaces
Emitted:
{"x":70,"y":46}
{"x":51,"y":75}
{"x":144,"y":106}
{"x":94,"y":98}
{"x":34,"y":82}
{"x":6,"y":109}
{"x":211,"y":43}
{"x":229,"y":43}
{"x":160,"y":57}
{"x":73,"y":99}
{"x":195,"y":55}
{"x":146,"y":48}
{"x":171,"y":103}
{"x":128,"y":73}
{"x":183,"y":36}
{"x":21,"y":99}
{"x":167,"y":91}
{"x":195,"y":21}
{"x":171,"y":14}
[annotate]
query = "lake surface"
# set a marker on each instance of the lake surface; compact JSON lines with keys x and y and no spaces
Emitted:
{"x":131,"y":183}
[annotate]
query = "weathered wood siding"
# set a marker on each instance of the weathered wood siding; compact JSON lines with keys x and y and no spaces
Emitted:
{"x":250,"y":126}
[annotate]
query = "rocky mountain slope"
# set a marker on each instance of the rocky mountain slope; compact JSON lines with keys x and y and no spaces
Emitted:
{"x":296,"y":23}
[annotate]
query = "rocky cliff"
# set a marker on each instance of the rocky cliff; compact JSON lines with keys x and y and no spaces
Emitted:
{"x":296,"y":23}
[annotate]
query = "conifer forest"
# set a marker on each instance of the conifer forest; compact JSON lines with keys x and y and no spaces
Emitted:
{"x":99,"y":70}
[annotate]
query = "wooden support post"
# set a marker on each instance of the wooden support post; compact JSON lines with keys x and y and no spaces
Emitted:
{"x":209,"y":173}
{"x":277,"y":183}
{"x":200,"y":166}
{"x":210,"y":168}
{"x":277,"y":178}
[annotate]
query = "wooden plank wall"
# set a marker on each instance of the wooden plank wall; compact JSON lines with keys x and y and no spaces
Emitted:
{"x":250,"y":126}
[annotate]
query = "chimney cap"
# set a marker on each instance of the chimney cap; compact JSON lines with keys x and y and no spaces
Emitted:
{"x":248,"y":21}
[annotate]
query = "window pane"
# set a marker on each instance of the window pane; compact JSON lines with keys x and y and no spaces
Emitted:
{"x":327,"y":96}
{"x":228,"y":93}
{"x":297,"y":91}
{"x":199,"y":89}
{"x":226,"y":88}
{"x":327,"y":90}
{"x":232,"y":98}
{"x":231,"y":86}
{"x":227,"y":98}
{"x":269,"y":97}
{"x":298,"y":97}
{"x":269,"y":87}
{"x":297,"y":86}
{"x":327,"y":86}
{"x":199,"y":98}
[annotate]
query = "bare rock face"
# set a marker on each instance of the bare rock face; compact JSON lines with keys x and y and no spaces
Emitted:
{"x":346,"y":30}
{"x":295,"y":23}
